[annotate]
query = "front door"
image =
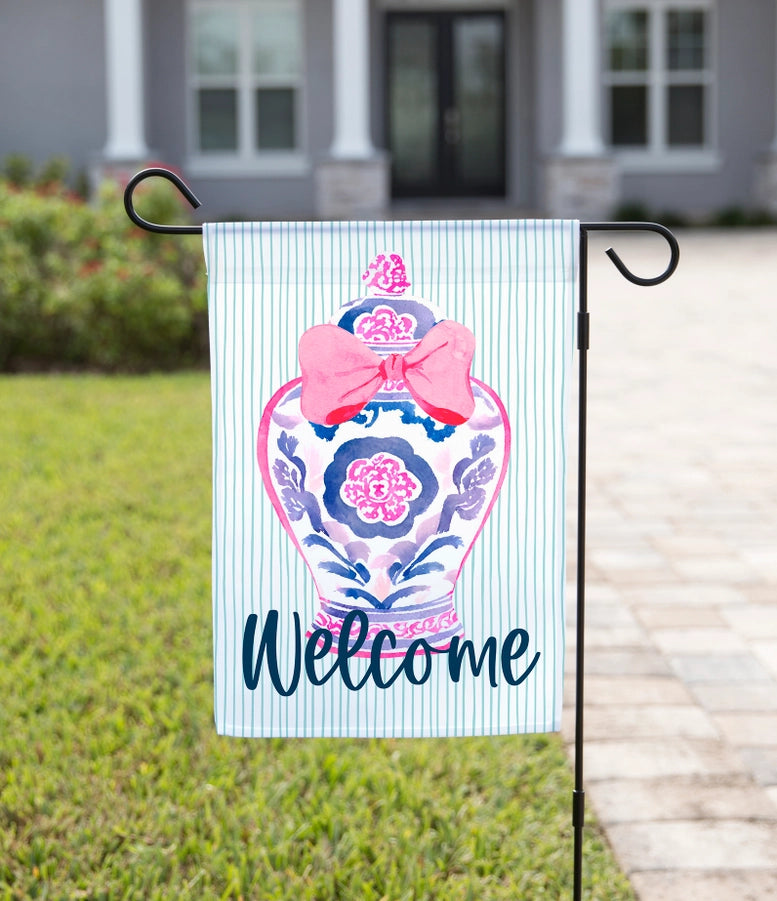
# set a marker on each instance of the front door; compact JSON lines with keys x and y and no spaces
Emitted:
{"x":446,"y":103}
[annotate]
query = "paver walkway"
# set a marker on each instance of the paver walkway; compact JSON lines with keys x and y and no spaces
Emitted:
{"x":681,"y":622}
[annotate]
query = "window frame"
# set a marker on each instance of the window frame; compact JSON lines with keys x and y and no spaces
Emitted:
{"x":248,"y":159}
{"x":658,"y":154}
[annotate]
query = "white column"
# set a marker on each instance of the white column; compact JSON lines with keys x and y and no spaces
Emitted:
{"x":124,"y":75}
{"x":351,"y":81}
{"x":581,"y":79}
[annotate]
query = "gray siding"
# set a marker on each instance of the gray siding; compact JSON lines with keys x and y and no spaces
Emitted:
{"x":165,"y":80}
{"x":52,"y":80}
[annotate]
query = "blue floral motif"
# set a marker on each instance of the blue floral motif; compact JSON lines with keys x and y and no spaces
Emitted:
{"x":469,"y":475}
{"x":377,"y":486}
{"x":346,"y":567}
{"x":291,"y":479}
{"x":420,"y":565}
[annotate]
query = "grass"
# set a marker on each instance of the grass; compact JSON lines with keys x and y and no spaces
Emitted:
{"x":113,"y":782}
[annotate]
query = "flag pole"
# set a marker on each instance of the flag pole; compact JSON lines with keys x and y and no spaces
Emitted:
{"x":583,"y":343}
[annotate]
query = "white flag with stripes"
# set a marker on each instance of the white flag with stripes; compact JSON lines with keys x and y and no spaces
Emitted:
{"x":389,"y":428}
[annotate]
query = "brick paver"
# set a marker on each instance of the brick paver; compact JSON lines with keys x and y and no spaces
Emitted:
{"x":681,"y":620}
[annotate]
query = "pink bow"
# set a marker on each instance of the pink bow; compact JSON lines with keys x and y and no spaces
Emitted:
{"x":340,"y":374}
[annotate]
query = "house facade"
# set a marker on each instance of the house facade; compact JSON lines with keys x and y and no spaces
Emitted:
{"x":337,"y":108}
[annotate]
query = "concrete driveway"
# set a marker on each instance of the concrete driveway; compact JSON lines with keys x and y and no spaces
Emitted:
{"x":681,"y":623}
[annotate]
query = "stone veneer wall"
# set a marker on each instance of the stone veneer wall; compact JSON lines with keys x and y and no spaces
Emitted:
{"x":580,"y":187}
{"x":352,"y":189}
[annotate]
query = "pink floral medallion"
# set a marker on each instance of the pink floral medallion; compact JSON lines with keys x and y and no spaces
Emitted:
{"x":380,"y":489}
{"x":384,"y":325}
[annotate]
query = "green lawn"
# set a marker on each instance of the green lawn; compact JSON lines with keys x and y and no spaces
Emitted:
{"x":113,"y":782}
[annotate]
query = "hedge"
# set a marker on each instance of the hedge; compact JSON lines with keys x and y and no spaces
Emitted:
{"x":81,"y":287}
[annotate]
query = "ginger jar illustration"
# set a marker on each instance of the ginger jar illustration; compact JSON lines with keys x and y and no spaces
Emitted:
{"x":383,"y":461}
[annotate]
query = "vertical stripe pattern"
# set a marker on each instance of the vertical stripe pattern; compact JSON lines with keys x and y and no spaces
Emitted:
{"x":514,"y":284}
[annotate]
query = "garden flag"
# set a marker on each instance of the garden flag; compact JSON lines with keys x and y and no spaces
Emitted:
{"x":389,"y":475}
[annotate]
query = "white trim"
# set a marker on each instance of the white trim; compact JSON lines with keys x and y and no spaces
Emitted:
{"x":680,"y":161}
{"x":291,"y":165}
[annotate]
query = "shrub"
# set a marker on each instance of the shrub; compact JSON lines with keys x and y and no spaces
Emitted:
{"x":17,"y":168}
{"x":82,"y":287}
{"x":741,"y":217}
{"x":632,"y":211}
{"x":729,"y":217}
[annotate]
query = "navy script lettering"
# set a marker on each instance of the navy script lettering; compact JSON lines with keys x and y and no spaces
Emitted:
{"x":415,"y":665}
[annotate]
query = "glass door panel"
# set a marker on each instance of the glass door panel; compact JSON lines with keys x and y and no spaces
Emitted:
{"x":413,"y":106}
{"x":479,"y":100}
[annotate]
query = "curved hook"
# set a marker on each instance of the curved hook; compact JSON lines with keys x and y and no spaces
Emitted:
{"x":152,"y":226}
{"x":638,"y":226}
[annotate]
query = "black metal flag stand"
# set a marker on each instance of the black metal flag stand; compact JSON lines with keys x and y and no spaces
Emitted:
{"x":583,"y":317}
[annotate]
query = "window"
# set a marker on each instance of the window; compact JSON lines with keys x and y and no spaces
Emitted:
{"x":659,"y":76}
{"x":246,"y":63}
